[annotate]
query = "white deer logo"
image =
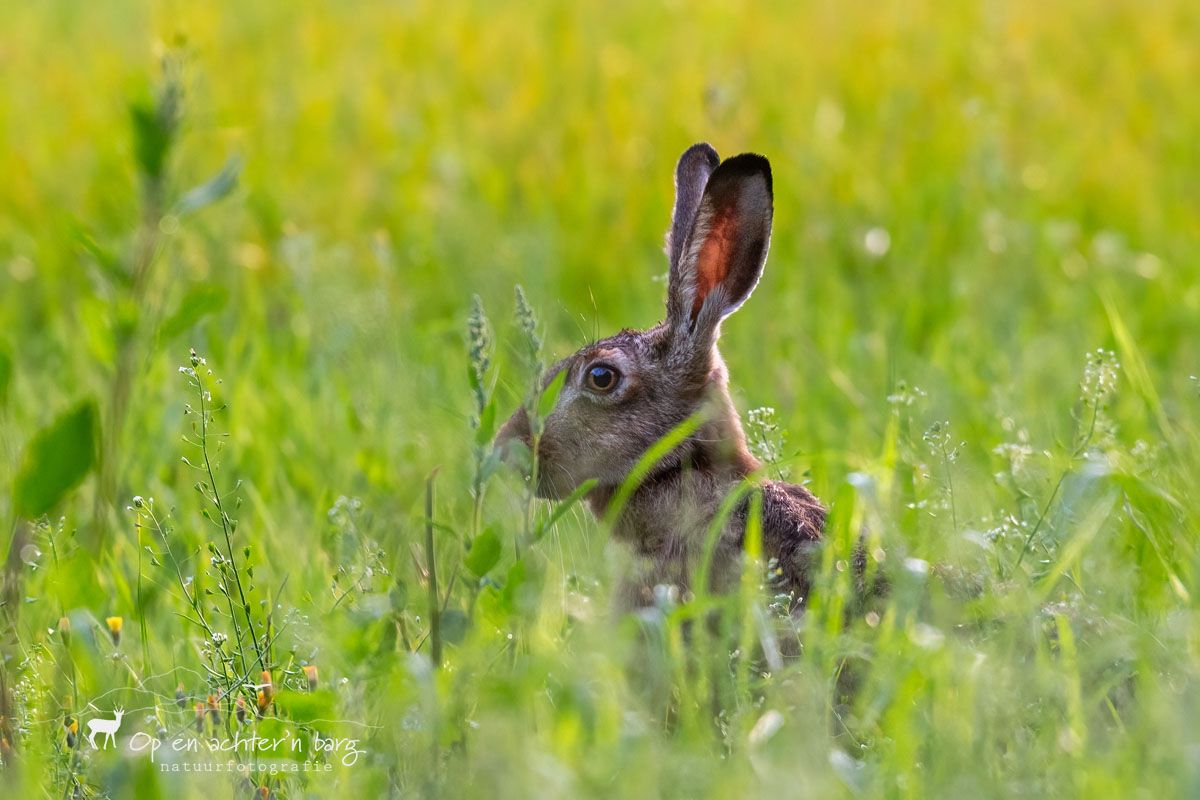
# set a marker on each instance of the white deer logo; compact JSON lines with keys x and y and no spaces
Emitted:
{"x":108,"y":727}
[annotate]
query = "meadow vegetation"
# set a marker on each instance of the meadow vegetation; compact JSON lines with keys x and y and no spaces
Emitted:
{"x":270,"y":273}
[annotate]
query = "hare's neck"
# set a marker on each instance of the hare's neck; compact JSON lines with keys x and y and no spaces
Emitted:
{"x":669,"y":512}
{"x":679,"y":499}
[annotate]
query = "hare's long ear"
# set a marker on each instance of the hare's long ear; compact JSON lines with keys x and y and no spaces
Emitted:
{"x":691,"y":175}
{"x":724,"y":251}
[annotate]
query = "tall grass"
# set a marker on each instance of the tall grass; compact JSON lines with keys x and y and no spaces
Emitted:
{"x":976,"y":331}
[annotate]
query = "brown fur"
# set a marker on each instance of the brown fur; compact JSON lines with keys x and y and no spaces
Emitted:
{"x":718,"y":245}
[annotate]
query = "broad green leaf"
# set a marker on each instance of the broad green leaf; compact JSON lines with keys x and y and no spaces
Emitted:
{"x":107,"y":261}
{"x":549,"y":396}
{"x":399,"y":595}
{"x":212,"y":190}
{"x":454,"y":626}
{"x":484,"y":553}
{"x":491,"y":463}
{"x":306,"y":706}
{"x":153,"y":133}
{"x":199,"y":302}
{"x":94,"y":328}
{"x":487,"y":424}
{"x":56,"y":460}
{"x":510,"y":594}
{"x":275,"y":729}
{"x":490,"y":606}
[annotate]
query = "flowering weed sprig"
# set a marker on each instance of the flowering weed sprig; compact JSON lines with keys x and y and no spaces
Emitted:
{"x":766,"y":438}
{"x":1097,"y":387}
{"x":229,"y":573}
{"x":940,"y":442}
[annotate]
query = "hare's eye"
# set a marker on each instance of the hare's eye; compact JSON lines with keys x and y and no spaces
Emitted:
{"x":601,"y":378}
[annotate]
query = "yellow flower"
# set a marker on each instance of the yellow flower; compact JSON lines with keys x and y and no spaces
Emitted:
{"x":310,"y":672}
{"x":114,"y":628}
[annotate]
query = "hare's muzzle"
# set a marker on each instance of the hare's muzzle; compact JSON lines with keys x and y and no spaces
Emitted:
{"x":514,"y":442}
{"x":516,"y":429}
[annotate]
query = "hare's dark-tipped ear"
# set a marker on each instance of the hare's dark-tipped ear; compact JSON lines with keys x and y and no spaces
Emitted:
{"x":723,"y":254}
{"x":691,"y":176}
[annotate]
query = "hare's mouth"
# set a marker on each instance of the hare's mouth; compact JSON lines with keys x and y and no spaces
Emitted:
{"x":553,"y":482}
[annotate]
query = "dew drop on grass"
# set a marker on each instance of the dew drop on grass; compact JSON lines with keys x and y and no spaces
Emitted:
{"x":30,"y":554}
{"x":926,"y":636}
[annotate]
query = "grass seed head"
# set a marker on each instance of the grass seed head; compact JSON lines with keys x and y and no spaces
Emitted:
{"x":479,"y":347}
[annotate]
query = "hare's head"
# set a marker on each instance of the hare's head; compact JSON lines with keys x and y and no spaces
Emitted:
{"x":624,"y":393}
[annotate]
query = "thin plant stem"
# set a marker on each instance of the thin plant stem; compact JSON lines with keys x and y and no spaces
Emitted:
{"x":950,"y":486}
{"x":435,"y":611}
{"x":1079,"y":450}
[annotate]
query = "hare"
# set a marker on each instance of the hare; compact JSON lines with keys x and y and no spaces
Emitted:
{"x":622,"y":394}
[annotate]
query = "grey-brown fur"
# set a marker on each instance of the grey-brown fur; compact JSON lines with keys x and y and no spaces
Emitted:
{"x":717,"y":246}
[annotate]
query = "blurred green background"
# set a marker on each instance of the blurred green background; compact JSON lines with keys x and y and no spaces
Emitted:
{"x":970,"y":198}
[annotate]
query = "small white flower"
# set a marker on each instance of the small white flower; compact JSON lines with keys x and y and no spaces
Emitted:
{"x":877,"y":242}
